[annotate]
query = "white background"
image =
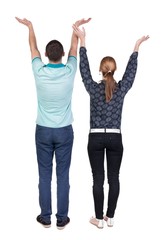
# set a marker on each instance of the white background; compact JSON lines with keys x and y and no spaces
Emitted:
{"x":113,"y":30}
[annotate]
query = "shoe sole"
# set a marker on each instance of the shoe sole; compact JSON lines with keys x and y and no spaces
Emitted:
{"x":96,"y":226}
{"x":61,"y":228}
{"x":45,"y":226}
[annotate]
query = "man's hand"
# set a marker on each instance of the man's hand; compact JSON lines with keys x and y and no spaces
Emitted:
{"x":79,"y":32}
{"x":82,"y":21}
{"x":24,"y":21}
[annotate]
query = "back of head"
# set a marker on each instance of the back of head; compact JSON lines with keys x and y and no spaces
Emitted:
{"x":107,"y":68}
{"x":54,"y":51}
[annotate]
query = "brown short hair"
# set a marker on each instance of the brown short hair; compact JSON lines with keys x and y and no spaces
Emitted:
{"x":54,"y":50}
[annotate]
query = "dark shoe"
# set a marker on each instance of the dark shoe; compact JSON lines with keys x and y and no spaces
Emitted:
{"x":61,"y":224}
{"x":46,"y":224}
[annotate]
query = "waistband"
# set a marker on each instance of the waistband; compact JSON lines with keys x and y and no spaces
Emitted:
{"x":105,"y":130}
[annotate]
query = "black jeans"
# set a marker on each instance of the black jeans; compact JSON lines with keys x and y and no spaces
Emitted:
{"x":98,"y":145}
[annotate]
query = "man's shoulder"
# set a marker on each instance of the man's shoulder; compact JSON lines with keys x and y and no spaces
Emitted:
{"x":74,"y":58}
{"x":38,"y":59}
{"x":71,"y":61}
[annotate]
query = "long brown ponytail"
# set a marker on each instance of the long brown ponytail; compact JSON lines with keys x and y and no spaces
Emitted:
{"x":108,"y":67}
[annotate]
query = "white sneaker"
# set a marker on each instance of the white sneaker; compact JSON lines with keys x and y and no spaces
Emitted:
{"x":99,"y":223}
{"x":109,"y":221}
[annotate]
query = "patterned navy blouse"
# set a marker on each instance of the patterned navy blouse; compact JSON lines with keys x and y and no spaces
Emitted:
{"x":106,"y":114}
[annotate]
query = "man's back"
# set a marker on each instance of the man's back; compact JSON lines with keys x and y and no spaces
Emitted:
{"x":54,"y":85}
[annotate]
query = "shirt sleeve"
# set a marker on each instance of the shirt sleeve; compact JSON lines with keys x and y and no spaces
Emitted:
{"x":37,"y":64}
{"x":72,"y":63}
{"x":85,"y":69}
{"x":130,"y":72}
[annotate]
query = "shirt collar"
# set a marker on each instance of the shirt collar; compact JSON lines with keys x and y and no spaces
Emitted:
{"x":53,"y":65}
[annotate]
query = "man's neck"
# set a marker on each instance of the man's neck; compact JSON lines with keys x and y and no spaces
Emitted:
{"x":52,"y":62}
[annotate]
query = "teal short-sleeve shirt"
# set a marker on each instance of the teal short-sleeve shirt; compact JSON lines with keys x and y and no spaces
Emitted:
{"x":54,"y":86}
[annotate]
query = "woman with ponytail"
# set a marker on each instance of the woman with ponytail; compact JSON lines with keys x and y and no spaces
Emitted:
{"x":107,"y":68}
{"x":106,"y":102}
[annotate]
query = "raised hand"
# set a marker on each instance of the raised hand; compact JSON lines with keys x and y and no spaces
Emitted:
{"x":24,"y":21}
{"x":79,"y":32}
{"x":142,"y":39}
{"x":139,"y":42}
{"x":82,"y":21}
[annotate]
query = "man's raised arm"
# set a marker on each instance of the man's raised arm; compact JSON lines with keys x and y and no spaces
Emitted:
{"x":32,"y":38}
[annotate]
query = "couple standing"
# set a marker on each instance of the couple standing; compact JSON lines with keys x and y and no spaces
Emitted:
{"x":54,"y":132}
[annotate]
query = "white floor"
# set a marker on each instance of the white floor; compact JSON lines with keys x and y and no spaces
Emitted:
{"x":114,"y":28}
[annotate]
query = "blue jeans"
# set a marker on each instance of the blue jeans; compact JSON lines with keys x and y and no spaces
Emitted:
{"x":110,"y":144}
{"x":50,"y":142}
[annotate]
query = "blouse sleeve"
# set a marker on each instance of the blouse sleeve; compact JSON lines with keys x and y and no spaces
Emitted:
{"x":85,"y":69}
{"x":130,"y":72}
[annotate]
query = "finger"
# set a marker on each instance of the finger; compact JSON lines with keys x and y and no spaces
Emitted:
{"x":18,"y":19}
{"x":89,"y":19}
{"x":74,"y":27}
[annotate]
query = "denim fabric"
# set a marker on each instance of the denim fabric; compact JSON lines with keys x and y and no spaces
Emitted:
{"x":110,"y":144}
{"x":54,"y":142}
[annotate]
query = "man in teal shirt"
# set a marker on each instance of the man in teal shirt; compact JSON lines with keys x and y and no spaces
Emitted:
{"x":54,"y":132}
{"x":54,"y":84}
